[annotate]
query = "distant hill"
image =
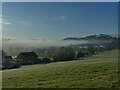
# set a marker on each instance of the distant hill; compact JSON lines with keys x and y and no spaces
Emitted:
{"x":94,"y":37}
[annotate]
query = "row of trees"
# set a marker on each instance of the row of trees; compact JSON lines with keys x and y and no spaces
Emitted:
{"x":72,"y":52}
{"x":64,"y":54}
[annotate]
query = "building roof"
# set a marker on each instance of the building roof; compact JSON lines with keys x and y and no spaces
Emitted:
{"x":28,"y":54}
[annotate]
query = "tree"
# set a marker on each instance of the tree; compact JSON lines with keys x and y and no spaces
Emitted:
{"x":65,"y":54}
{"x":80,"y":54}
{"x":91,"y":49}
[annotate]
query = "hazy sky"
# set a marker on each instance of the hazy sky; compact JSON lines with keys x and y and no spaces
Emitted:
{"x":58,"y":20}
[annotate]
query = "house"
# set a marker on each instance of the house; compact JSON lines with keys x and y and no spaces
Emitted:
{"x":8,"y":62}
{"x":27,"y":58}
{"x":4,"y":56}
{"x":7,"y":58}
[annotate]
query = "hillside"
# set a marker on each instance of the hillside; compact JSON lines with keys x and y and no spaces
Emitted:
{"x":93,"y":72}
{"x":94,"y":37}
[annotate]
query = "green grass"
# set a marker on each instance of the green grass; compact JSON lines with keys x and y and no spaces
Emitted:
{"x":95,"y":72}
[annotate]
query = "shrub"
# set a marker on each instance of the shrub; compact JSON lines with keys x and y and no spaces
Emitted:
{"x":81,"y":54}
{"x":46,"y":60}
{"x":9,"y":64}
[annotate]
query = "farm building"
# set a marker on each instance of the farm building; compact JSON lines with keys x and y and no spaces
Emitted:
{"x":7,"y":57}
{"x":27,"y":57}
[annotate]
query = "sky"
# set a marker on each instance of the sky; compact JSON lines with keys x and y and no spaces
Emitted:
{"x":57,"y":20}
{"x":60,"y":0}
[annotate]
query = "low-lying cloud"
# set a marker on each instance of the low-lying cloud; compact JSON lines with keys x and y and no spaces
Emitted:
{"x":37,"y":43}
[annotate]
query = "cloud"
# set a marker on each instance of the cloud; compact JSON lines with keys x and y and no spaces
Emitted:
{"x":60,"y":18}
{"x":3,"y":22}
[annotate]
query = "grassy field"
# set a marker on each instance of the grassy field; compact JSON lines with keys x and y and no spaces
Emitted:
{"x":94,"y":72}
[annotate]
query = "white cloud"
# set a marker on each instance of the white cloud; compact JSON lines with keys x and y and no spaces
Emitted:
{"x":3,"y":22}
{"x":60,"y":18}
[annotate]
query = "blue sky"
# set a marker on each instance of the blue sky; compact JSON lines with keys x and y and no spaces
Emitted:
{"x":58,"y":20}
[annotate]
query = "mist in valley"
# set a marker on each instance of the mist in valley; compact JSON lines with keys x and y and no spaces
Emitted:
{"x":10,"y":46}
{"x":15,"y":46}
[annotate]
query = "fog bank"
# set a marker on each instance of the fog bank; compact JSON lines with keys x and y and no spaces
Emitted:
{"x":39,"y":43}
